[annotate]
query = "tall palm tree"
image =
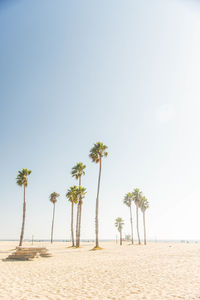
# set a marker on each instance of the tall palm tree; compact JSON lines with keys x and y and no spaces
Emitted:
{"x":53,"y":198}
{"x":128,"y":199}
{"x":22,"y":179}
{"x":80,"y":195}
{"x":77,"y":172}
{"x":119,"y":223}
{"x":72,"y":196}
{"x":97,"y":152}
{"x":137,"y":196}
{"x":144,"y":204}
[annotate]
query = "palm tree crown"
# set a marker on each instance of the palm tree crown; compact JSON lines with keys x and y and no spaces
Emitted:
{"x":75,"y":192}
{"x":22,"y":177}
{"x":128,"y":199}
{"x":137,"y":196}
{"x":119,"y":224}
{"x":81,"y":192}
{"x":72,"y":194}
{"x":78,"y":170}
{"x":53,"y":197}
{"x":144,"y":204}
{"x":98,"y":151}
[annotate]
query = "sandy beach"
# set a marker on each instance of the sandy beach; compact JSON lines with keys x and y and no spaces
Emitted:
{"x":156,"y":271}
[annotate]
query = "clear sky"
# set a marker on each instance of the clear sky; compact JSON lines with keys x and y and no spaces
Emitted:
{"x":126,"y":73}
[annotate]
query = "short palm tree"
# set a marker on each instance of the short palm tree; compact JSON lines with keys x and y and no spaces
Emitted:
{"x":53,"y":198}
{"x":78,"y":172}
{"x":22,"y":179}
{"x":137,"y":196}
{"x":72,"y":196}
{"x":119,"y":223}
{"x":128,"y":199}
{"x":97,"y":152}
{"x":144,"y":204}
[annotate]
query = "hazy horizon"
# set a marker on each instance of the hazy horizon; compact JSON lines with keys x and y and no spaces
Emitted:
{"x":124,"y":73}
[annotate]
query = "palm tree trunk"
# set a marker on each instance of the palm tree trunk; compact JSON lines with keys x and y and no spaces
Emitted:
{"x":52,"y":226}
{"x":131,"y":220}
{"x":23,"y":219}
{"x":97,"y":207}
{"x":72,"y":224}
{"x":79,"y":225}
{"x":78,"y":220}
{"x":137,"y":226}
{"x":120,"y":237}
{"x":144,"y":228}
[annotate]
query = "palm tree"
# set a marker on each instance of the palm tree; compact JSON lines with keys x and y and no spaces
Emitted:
{"x":137,"y":196}
{"x":77,"y":172}
{"x":72,"y":196}
{"x":53,"y":198}
{"x":97,"y":152}
{"x":80,"y":195}
{"x":119,"y":224}
{"x":144,"y":204}
{"x":128,"y":201}
{"x":22,"y":179}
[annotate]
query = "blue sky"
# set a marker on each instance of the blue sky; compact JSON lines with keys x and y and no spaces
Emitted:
{"x":122,"y":72}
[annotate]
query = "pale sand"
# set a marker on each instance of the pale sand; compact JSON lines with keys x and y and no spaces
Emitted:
{"x":156,"y":271}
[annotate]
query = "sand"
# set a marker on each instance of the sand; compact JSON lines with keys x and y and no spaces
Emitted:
{"x":156,"y":271}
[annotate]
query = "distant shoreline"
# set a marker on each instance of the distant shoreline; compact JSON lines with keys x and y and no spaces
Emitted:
{"x":103,"y":240}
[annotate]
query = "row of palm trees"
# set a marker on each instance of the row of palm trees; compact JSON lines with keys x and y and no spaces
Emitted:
{"x":75,"y":195}
{"x":141,"y":202}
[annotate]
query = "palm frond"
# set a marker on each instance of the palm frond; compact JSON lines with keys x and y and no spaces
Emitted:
{"x":53,"y":197}
{"x":78,"y":170}
{"x":119,"y":223}
{"x":98,"y":151}
{"x":22,"y":177}
{"x":144,"y":204}
{"x":137,"y":196}
{"x":128,"y":198}
{"x":72,"y":194}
